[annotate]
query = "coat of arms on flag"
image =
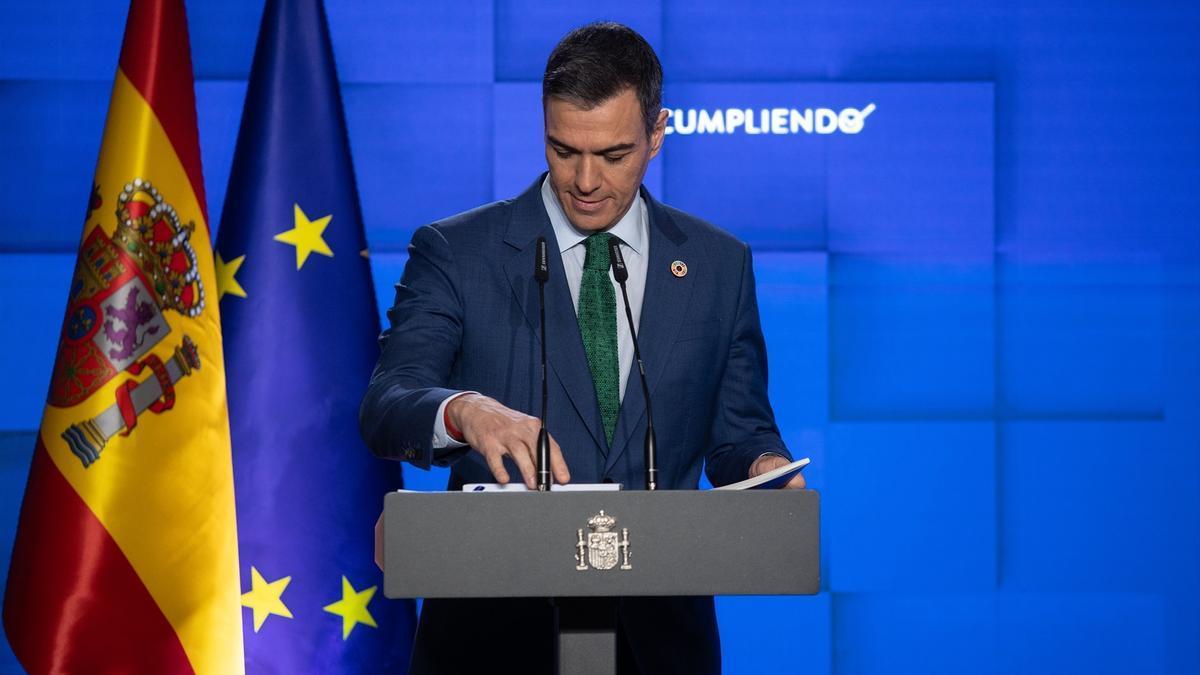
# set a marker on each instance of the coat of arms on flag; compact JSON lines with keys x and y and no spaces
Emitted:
{"x":122,"y":286}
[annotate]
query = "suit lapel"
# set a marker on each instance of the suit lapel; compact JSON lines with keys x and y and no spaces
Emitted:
{"x":664,"y":308}
{"x":564,"y":346}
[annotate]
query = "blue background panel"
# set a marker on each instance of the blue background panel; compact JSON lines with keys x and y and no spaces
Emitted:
{"x":793,"y":304}
{"x":999,"y":633}
{"x":34,"y":290}
{"x":767,"y":189}
{"x":830,"y":40}
{"x":709,"y":41}
{"x":1084,"y":174}
{"x":1181,"y":360}
{"x":526,"y":31}
{"x":227,"y":29}
{"x":920,"y":176}
{"x":1081,"y":341}
{"x":1100,"y":634}
{"x":518,"y":138}
{"x":911,"y":338}
{"x":793,"y":307}
{"x":911,"y":631}
{"x":910,"y":506}
{"x":421,"y":153}
{"x":68,"y":40}
{"x":50,"y":140}
{"x":917,"y":177}
{"x":54,"y":129}
{"x":413,"y":42}
{"x":798,"y":640}
{"x":1106,"y":507}
{"x":219,"y":114}
{"x":1098,"y":505}
{"x":442,"y":42}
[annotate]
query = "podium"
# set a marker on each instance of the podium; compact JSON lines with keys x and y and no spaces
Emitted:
{"x":585,"y":549}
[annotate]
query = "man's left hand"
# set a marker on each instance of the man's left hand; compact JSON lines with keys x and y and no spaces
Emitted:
{"x":772,"y":462}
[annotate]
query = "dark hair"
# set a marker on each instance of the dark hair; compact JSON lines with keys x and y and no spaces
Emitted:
{"x":600,"y":60}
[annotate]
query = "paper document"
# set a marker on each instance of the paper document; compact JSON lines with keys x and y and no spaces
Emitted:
{"x":770,"y":480}
{"x":520,"y":487}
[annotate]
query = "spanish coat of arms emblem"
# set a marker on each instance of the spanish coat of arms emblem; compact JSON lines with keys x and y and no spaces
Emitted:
{"x":602,"y":548}
{"x":123,"y":284}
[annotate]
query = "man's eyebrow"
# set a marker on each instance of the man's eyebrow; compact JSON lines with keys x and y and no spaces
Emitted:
{"x":616,"y":148}
{"x":560,"y":144}
{"x":609,"y":150}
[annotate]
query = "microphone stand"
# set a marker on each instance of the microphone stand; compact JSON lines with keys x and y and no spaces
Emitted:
{"x":541,"y":272}
{"x":621,"y":274}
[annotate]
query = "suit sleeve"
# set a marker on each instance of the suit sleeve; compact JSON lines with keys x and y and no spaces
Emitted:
{"x":743,"y":426}
{"x":417,"y":352}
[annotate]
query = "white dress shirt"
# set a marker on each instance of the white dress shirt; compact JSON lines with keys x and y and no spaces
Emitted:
{"x":633,"y":230}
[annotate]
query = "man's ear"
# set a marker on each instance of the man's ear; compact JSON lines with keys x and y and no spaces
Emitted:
{"x":659,"y":132}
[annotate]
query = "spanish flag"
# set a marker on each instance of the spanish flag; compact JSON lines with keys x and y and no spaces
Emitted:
{"x":125,"y":558}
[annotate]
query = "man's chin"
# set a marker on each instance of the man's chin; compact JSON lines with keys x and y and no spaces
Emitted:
{"x":592,"y":222}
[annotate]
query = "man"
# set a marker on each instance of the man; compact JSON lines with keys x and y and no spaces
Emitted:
{"x":458,"y":378}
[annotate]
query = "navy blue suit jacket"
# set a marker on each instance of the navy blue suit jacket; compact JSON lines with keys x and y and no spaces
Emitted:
{"x":466,"y":318}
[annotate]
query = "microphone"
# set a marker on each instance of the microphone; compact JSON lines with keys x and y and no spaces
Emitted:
{"x":541,"y":272}
{"x":621,"y":274}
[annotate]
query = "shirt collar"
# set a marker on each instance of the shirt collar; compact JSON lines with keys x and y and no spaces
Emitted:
{"x":631,"y":228}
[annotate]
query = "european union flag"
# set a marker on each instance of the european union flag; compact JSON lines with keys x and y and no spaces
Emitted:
{"x":300,"y":326}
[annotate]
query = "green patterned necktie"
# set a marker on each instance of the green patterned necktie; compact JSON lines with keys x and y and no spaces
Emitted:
{"x":598,"y":326}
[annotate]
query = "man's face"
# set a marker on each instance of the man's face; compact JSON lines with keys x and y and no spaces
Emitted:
{"x":597,"y":157}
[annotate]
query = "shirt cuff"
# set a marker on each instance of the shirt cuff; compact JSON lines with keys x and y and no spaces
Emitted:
{"x":441,"y":439}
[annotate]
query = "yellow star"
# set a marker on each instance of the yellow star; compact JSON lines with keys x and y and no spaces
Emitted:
{"x":352,"y":608}
{"x":266,"y":598}
{"x":306,"y":236}
{"x":226,"y":277}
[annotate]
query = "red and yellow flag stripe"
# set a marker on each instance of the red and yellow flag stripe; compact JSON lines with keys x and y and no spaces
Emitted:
{"x":129,"y":563}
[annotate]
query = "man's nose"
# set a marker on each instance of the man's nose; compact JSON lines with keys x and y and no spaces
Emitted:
{"x":587,"y":179}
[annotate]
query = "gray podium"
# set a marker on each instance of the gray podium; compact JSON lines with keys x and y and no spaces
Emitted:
{"x":585,"y":549}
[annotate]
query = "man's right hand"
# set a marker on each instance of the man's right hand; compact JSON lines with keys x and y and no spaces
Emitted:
{"x":495,"y":430}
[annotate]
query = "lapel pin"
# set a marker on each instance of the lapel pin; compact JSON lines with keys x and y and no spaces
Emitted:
{"x":679,"y":269}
